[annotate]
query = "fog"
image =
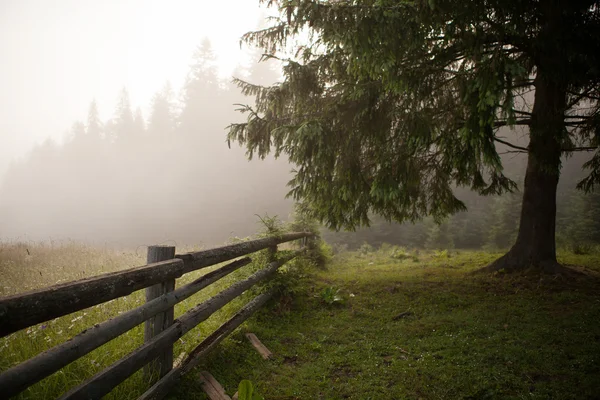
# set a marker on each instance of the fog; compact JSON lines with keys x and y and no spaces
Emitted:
{"x":113,"y":118}
{"x":112,"y":131}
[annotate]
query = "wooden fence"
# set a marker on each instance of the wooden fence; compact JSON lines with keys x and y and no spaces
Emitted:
{"x":161,"y":330}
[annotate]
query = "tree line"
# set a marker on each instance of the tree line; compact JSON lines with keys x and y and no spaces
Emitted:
{"x":135,"y":179}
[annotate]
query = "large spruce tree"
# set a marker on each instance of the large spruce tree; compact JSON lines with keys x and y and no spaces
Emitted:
{"x":388,"y":105}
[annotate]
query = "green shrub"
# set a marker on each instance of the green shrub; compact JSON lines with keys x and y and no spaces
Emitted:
{"x":246,"y":391}
{"x":399,"y":253}
{"x":441,"y":254}
{"x":366,"y":249}
{"x":331,"y":295}
{"x":318,"y":252}
{"x":339,"y":248}
{"x":581,"y":248}
{"x":386,"y":248}
{"x":287,"y":282}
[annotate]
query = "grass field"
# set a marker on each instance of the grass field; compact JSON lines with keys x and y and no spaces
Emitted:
{"x":463,"y":336}
{"x":388,"y":324}
{"x":30,"y":266}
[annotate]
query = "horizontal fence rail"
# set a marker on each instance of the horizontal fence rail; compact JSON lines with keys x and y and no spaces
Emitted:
{"x":205,"y":258}
{"x":22,"y":311}
{"x":46,"y":363}
{"x":105,"y":381}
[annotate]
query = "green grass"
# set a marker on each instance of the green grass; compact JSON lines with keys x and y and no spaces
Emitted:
{"x":466,"y":335}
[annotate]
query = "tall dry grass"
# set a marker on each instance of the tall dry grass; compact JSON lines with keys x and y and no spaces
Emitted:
{"x":28,"y":266}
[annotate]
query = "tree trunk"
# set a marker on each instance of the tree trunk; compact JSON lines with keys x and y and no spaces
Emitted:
{"x":535,"y":246}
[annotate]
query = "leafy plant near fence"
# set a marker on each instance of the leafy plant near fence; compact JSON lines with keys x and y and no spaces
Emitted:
{"x":331,"y":295}
{"x":399,"y":253}
{"x":246,"y":391}
{"x":289,"y":280}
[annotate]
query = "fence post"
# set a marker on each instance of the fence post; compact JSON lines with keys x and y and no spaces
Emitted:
{"x":311,"y":242}
{"x":272,"y":254}
{"x":153,"y":326}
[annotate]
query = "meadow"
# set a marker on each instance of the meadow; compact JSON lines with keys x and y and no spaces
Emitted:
{"x":29,"y":266}
{"x":388,"y":323}
{"x":401,"y":324}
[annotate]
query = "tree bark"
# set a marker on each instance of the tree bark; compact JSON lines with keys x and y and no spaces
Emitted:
{"x":535,"y":245}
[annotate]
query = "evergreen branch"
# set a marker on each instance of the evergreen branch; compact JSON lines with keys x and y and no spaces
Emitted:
{"x":518,"y":41}
{"x":523,"y":84}
{"x":576,"y":123}
{"x":581,"y":96}
{"x":514,"y":146}
{"x":521,"y":112}
{"x":578,"y":116}
{"x":502,"y":123}
{"x":512,"y":152}
{"x":338,"y":5}
{"x":589,"y":148}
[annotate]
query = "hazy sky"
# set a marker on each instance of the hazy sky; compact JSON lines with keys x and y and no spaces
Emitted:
{"x":56,"y":56}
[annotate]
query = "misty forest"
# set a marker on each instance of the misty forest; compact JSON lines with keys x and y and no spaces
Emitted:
{"x":96,"y":188}
{"x":383,"y":200}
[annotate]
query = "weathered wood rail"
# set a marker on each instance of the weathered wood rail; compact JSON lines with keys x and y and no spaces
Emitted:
{"x":161,"y":331}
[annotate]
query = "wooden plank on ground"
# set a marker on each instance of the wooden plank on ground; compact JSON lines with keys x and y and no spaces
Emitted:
{"x":263,"y":351}
{"x":179,"y":360}
{"x":212,"y":387}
